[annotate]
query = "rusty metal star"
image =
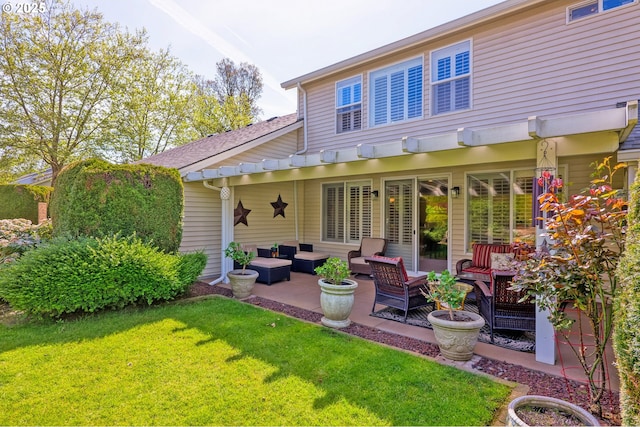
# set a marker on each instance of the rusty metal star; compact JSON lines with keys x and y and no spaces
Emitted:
{"x":278,"y":207}
{"x":240,"y":214}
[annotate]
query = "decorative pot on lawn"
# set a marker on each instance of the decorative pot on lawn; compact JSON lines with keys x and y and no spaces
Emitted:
{"x":543,"y":410}
{"x":336,"y":302}
{"x":242,"y":283}
{"x":456,"y":338}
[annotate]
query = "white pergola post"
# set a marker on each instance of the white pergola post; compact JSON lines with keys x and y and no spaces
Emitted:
{"x":545,"y":334}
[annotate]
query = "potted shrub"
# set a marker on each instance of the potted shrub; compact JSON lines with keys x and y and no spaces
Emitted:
{"x":241,"y":280}
{"x":456,"y":330}
{"x":274,"y":251}
{"x":576,"y":269}
{"x":336,"y":296}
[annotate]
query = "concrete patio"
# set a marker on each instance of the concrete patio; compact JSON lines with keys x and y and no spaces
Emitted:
{"x":303,"y":292}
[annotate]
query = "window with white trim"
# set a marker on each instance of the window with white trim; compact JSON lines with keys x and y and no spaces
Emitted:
{"x":395,"y":93}
{"x":588,"y":8}
{"x":500,"y":206}
{"x":451,"y":78}
{"x":349,"y":105}
{"x":346,"y":211}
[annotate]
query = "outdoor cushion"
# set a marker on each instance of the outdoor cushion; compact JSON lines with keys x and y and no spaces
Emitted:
{"x":370,"y":246}
{"x":502,"y":261}
{"x":311,"y":256}
{"x":269,"y":262}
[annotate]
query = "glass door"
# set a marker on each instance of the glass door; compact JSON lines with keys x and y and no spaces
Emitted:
{"x":398,"y":226}
{"x":433,"y":224}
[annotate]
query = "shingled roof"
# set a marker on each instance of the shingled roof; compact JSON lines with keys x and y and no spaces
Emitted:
{"x":213,"y":145}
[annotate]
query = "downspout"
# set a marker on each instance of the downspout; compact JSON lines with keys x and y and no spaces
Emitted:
{"x":225,"y":195}
{"x":305,"y":146}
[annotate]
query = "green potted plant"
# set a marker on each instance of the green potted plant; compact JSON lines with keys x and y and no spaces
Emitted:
{"x":241,"y":280}
{"x":274,"y":250}
{"x":456,"y":330}
{"x":575,"y":271}
{"x":336,"y":296}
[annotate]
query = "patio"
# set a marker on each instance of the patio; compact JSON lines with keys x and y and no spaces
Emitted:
{"x":303,"y":292}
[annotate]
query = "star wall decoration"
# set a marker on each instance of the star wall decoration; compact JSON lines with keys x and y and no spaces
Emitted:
{"x":240,"y":214}
{"x":278,"y":207}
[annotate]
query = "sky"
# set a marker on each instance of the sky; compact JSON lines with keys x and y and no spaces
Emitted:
{"x":283,"y":38}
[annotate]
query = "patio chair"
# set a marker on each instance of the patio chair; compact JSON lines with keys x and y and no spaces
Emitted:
{"x":501,"y":306}
{"x":394,"y":288}
{"x":369,"y":246}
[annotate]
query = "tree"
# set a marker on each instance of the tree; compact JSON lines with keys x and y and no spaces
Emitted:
{"x":212,"y":116}
{"x":57,"y":74}
{"x":153,"y":108}
{"x":229,"y":101}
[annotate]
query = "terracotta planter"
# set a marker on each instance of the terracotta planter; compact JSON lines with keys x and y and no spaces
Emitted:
{"x":336,"y":302}
{"x":456,"y":339}
{"x":585,"y":418}
{"x":242,"y":284}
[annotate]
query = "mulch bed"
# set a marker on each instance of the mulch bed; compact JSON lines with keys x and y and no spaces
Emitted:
{"x":539,"y":383}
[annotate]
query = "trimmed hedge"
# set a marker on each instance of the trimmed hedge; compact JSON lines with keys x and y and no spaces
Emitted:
{"x":626,"y":336}
{"x":90,"y":274}
{"x":21,"y":201}
{"x":96,"y":198}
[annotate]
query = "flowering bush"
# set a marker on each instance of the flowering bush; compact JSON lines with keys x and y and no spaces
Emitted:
{"x":577,"y":267}
{"x":19,"y":235}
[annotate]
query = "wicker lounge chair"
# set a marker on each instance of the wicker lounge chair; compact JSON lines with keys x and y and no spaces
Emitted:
{"x":394,"y":288}
{"x":369,"y":246}
{"x":501,"y":306}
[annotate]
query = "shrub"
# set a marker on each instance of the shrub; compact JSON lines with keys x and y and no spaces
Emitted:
{"x":626,"y":340}
{"x":89,"y":274}
{"x":19,"y":235}
{"x":21,"y":201}
{"x":96,"y":198}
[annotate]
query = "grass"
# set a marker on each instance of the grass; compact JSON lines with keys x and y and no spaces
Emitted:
{"x":223,"y":362}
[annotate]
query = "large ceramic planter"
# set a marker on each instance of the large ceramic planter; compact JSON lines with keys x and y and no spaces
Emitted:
{"x":456,"y":339}
{"x":584,"y":417}
{"x":336,"y":302}
{"x":242,"y":284}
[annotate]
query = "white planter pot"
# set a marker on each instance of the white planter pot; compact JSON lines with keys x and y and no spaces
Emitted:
{"x":585,"y":417}
{"x":336,"y":302}
{"x":456,"y":339}
{"x":242,"y":284}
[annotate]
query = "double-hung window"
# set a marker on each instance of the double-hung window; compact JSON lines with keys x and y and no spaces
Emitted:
{"x":346,"y":211}
{"x":349,"y":104}
{"x":395,"y":93}
{"x":592,"y":7}
{"x":451,"y":78}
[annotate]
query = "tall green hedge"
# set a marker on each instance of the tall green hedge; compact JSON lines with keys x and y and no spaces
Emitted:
{"x":96,"y":198}
{"x":21,"y":201}
{"x":626,"y":337}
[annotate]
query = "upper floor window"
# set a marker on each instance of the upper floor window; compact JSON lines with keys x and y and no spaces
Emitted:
{"x":451,"y":78}
{"x":349,"y":105}
{"x":395,"y":93}
{"x":592,"y":7}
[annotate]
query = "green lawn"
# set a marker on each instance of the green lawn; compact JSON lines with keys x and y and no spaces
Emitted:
{"x":222,"y":362}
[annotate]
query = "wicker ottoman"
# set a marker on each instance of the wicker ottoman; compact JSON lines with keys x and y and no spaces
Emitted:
{"x":306,"y":262}
{"x":271,"y":270}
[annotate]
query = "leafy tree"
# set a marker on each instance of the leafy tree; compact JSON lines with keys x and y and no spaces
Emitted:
{"x":217,"y":115}
{"x":153,"y":108}
{"x":57,"y":74}
{"x":242,"y":83}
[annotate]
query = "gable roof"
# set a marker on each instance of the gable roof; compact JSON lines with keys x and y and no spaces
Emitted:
{"x":504,"y":8}
{"x":213,"y":145}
